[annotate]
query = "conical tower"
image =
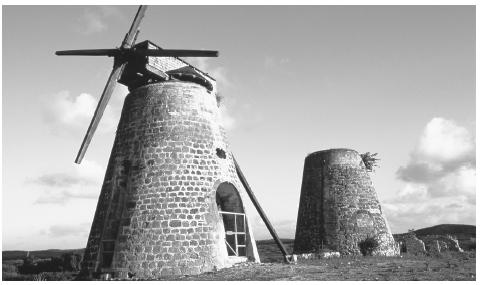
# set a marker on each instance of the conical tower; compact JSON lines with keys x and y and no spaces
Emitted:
{"x":171,"y":202}
{"x":339,"y":208}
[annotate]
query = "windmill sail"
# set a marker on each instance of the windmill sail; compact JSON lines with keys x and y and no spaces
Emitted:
{"x":121,"y":56}
{"x":107,"y":92}
{"x":177,"y":52}
{"x":102,"y":104}
{"x":89,"y":52}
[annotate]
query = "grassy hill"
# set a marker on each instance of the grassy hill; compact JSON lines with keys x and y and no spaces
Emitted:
{"x":42,"y":254}
{"x":451,"y":229}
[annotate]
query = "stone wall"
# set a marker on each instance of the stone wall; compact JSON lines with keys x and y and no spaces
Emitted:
{"x":441,"y":242}
{"x":339,"y":207}
{"x":414,"y":245}
{"x":428,"y":243}
{"x":157,"y":212}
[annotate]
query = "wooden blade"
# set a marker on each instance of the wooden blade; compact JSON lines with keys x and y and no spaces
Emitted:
{"x":130,"y":36}
{"x":91,"y":52}
{"x":102,"y":104}
{"x":176,"y":52}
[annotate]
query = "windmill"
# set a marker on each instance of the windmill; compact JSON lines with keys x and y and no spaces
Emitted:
{"x":121,"y":56}
{"x":169,"y":144}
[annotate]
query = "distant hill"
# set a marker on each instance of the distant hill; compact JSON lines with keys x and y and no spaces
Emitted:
{"x":268,"y":249}
{"x":48,"y":253}
{"x":271,"y":241}
{"x":452,"y":229}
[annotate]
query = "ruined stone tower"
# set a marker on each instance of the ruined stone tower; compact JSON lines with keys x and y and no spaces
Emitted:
{"x":339,"y":206}
{"x":171,"y":202}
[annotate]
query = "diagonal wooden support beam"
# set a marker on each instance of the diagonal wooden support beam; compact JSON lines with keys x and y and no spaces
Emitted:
{"x":260,"y":211}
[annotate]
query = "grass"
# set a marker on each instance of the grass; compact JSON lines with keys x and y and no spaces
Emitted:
{"x":444,"y":266}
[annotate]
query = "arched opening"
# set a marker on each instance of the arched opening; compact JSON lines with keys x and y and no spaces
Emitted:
{"x":230,"y":209}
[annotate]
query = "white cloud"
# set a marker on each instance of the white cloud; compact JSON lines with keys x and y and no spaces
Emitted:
{"x":57,"y":231}
{"x":59,"y":180}
{"x":411,"y":192}
{"x":66,"y":113}
{"x":227,"y":121}
{"x":443,"y":160}
{"x":439,"y":179}
{"x":444,"y":141}
{"x":458,"y":182}
{"x":425,"y":212}
{"x":82,"y":181}
{"x":219,"y":73}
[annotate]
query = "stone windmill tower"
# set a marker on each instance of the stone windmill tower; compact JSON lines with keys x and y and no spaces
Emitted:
{"x":339,"y":207}
{"x":172,"y":201}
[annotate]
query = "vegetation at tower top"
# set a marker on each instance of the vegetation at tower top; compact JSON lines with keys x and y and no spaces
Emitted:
{"x":370,"y":160}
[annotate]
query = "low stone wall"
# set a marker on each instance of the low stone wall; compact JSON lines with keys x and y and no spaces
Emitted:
{"x":414,"y":245}
{"x":438,"y":243}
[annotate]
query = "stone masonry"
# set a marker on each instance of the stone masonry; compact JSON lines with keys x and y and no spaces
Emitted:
{"x":414,"y":245}
{"x":157,"y":212}
{"x":437,"y":243}
{"x":339,"y":207}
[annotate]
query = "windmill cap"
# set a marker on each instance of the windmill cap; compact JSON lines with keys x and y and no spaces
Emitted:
{"x":188,"y":73}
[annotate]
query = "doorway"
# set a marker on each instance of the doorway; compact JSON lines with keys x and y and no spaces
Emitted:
{"x":230,"y":209}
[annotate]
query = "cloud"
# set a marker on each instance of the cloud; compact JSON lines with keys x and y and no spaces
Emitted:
{"x":57,"y":231}
{"x":443,"y":160}
{"x":426,"y":212}
{"x":60,"y":180}
{"x":94,"y":20}
{"x":66,"y":113}
{"x":219,"y":73}
{"x":64,"y":196}
{"x":439,"y":175}
{"x":227,"y":121}
{"x":82,"y":181}
{"x":444,"y":141}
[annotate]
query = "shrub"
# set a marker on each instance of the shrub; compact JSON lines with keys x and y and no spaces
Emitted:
{"x":71,"y":261}
{"x":368,"y":245}
{"x":219,"y":98}
{"x":54,"y":264}
{"x":369,"y":160}
{"x":470,"y":246}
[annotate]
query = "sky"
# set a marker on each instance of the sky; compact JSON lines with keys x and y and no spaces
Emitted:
{"x":394,"y":80}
